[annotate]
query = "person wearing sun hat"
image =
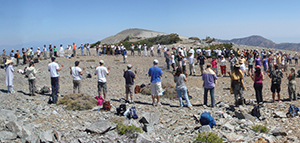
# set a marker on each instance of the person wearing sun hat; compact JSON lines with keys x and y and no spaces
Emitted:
{"x":9,"y":69}
{"x":237,"y":85}
{"x":258,"y":77}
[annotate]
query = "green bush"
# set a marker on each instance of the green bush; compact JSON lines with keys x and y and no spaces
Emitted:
{"x":208,"y":137}
{"x":260,"y":128}
{"x":94,"y":44}
{"x":78,"y":101}
{"x":127,"y":129}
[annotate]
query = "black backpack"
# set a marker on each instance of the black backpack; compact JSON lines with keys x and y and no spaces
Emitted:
{"x":293,"y":111}
{"x":132,"y":113}
{"x":255,"y":112}
{"x":121,"y":109}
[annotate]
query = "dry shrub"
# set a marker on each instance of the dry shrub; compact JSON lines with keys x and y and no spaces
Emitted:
{"x":169,"y":90}
{"x":91,"y":60}
{"x":78,"y":101}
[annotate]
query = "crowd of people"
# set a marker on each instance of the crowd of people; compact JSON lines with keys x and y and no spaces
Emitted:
{"x":260,"y":64}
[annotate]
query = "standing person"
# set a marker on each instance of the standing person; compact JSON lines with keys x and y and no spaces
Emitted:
{"x":129,"y":82}
{"x":158,"y":50}
{"x":257,"y":60}
{"x":210,"y":79}
{"x":45,"y":52}
{"x":4,"y":57}
{"x":232,"y":61}
{"x":69,"y":51}
{"x":155,"y":73}
{"x":191,"y":60}
{"x":201,"y":60}
{"x":76,"y":73}
{"x":74,"y":50}
{"x":132,"y":50}
{"x":172,"y":61}
{"x":97,"y":50}
{"x":104,"y":49}
{"x":276,"y":76}
{"x":88,"y":52}
{"x":17,"y":55}
{"x":243,"y":69}
{"x":292,"y":84}
{"x":151,"y":50}
{"x":237,"y":85}
{"x":24,"y":56}
{"x":296,"y":59}
{"x":250,"y":64}
{"x":53,"y":68}
{"x":38,"y":53}
{"x":265,"y":63}
{"x":55,"y":51}
{"x":61,"y":51}
{"x":214,"y":64}
{"x":258,"y":77}
{"x":167,"y":57}
{"x":31,"y":74}
{"x":208,"y":53}
{"x":124,"y":55}
{"x":82,"y":49}
{"x":12,"y":55}
{"x":145,"y":50}
{"x":139,"y":49}
{"x":50,"y":51}
{"x":102,"y":72}
{"x":9,"y":78}
{"x":223,"y":66}
{"x":179,"y":79}
{"x":270,"y":63}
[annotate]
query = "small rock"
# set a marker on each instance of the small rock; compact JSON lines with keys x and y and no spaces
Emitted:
{"x":205,"y":128}
{"x":32,"y":139}
{"x":99,"y":127}
{"x":280,"y":114}
{"x":279,"y":132}
{"x":142,"y":138}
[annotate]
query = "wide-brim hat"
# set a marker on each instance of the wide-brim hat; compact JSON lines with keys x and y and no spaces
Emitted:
{"x":237,"y":65}
{"x":8,"y":62}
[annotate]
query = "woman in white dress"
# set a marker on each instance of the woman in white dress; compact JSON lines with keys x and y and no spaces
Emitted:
{"x":9,"y":69}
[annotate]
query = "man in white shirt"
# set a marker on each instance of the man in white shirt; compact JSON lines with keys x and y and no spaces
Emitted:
{"x":158,"y":50}
{"x":192,"y":51}
{"x":76,"y":73}
{"x":101,"y":73}
{"x":53,"y":68}
{"x":139,"y":49}
{"x":151,"y":50}
{"x":145,"y":50}
{"x":88,"y":52}
{"x":191,"y":60}
{"x":132,"y":50}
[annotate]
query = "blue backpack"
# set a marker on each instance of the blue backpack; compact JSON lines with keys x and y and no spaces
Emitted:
{"x":293,"y":110}
{"x":207,"y":119}
{"x":132,"y":113}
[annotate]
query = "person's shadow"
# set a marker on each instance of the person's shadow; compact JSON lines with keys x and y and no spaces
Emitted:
{"x":3,"y":91}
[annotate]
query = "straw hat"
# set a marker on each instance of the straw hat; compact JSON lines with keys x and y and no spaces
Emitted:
{"x":8,"y":62}
{"x":237,"y":65}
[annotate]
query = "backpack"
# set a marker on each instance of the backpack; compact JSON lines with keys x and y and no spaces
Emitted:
{"x":89,"y":76}
{"x":137,"y":89}
{"x":255,"y":112}
{"x":293,"y":111}
{"x":207,"y":119}
{"x":16,"y":56}
{"x":121,"y":109}
{"x":44,"y":90}
{"x":132,"y":113}
{"x":106,"y":106}
{"x":99,"y":100}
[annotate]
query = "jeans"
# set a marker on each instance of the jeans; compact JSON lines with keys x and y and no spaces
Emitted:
{"x":31,"y":83}
{"x":244,"y":79}
{"x":82,"y":52}
{"x":24,"y":59}
{"x":258,"y":92}
{"x":183,"y":92}
{"x":54,"y":86}
{"x":292,"y":92}
{"x":212,"y":95}
{"x":168,"y":63}
{"x":132,"y":52}
{"x":74,"y":52}
{"x":97,"y":52}
{"x":88,"y":52}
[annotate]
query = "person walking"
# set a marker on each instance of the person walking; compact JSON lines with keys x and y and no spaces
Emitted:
{"x":54,"y":68}
{"x":258,"y":77}
{"x":31,"y":74}
{"x":276,"y":76}
{"x":155,"y":73}
{"x":292,"y":84}
{"x":129,"y":82}
{"x":172,"y":60}
{"x":102,"y":72}
{"x":209,"y":78}
{"x":180,"y":79}
{"x":76,"y":73}
{"x":9,"y":78}
{"x":237,"y":85}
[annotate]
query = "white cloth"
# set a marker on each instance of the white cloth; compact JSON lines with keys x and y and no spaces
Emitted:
{"x":61,"y":51}
{"x":192,"y":51}
{"x":76,"y":73}
{"x":53,"y":69}
{"x":208,"y":52}
{"x":243,"y":67}
{"x":198,"y":51}
{"x":140,"y":47}
{"x":38,"y":52}
{"x":101,"y":72}
{"x":151,"y":48}
{"x":30,"y":72}
{"x":9,"y":75}
{"x":223,"y":62}
{"x":172,"y":59}
{"x":183,"y":62}
{"x":191,"y":59}
{"x":132,"y":47}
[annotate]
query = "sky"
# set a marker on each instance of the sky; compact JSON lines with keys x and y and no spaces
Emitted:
{"x":32,"y":22}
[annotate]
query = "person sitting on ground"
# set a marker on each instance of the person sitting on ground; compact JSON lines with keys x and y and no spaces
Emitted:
{"x":210,"y":79}
{"x":129,"y":82}
{"x":76,"y":73}
{"x":179,"y":79}
{"x":292,"y":84}
{"x":276,"y":76}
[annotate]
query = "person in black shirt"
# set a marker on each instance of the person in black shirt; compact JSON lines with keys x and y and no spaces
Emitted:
{"x":201,"y":60}
{"x":129,"y":77}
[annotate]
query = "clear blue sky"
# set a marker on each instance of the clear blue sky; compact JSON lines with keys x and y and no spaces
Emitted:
{"x":25,"y":21}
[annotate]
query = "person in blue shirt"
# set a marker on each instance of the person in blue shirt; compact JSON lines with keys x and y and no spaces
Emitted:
{"x":155,"y":73}
{"x":82,"y":49}
{"x":124,"y":55}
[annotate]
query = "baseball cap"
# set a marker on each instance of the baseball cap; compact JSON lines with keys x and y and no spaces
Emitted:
{"x":101,"y":62}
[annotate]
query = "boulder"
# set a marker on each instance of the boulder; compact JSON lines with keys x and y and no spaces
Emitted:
{"x":100,"y":127}
{"x":205,"y":128}
{"x":227,"y":128}
{"x":279,"y":132}
{"x":47,"y":136}
{"x":7,"y":115}
{"x":6,"y":135}
{"x":32,"y":139}
{"x":150,"y":118}
{"x":142,"y":138}
{"x":14,"y":127}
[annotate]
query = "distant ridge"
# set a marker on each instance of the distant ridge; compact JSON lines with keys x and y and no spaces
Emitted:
{"x":260,"y":41}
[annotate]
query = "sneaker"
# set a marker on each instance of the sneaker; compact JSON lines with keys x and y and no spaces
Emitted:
{"x":153,"y":104}
{"x":158,"y":104}
{"x":131,"y":102}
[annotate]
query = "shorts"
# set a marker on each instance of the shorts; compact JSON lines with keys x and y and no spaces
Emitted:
{"x":156,"y":88}
{"x":38,"y":55}
{"x":275,"y":87}
{"x":208,"y":56}
{"x":129,"y":89}
{"x":250,"y":66}
{"x":102,"y":85}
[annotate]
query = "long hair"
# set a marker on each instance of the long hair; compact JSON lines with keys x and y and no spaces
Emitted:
{"x":178,"y":71}
{"x":257,"y":71}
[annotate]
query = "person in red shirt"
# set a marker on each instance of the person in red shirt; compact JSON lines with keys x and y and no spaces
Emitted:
{"x":214,"y":64}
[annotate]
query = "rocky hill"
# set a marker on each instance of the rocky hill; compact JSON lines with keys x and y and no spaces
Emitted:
{"x":134,"y":34}
{"x":262,"y":42}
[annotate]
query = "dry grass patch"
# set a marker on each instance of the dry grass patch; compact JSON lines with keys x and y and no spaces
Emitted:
{"x":78,"y":101}
{"x":91,"y":60}
{"x":168,"y":88}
